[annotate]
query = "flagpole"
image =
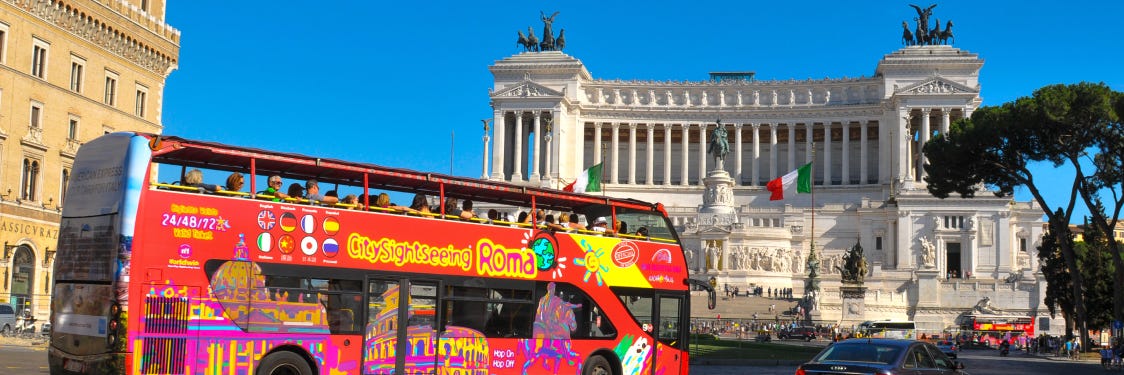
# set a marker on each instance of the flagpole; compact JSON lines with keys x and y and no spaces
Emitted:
{"x":812,"y":234}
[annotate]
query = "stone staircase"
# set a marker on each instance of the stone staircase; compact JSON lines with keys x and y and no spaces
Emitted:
{"x":742,"y":307}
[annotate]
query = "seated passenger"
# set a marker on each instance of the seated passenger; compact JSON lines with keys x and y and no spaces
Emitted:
{"x":551,"y":225}
{"x":296,"y":191}
{"x":194,"y":178}
{"x":383,"y":201}
{"x":466,"y":210}
{"x":574,"y":223}
{"x":642,"y":231}
{"x":314,"y":196}
{"x":600,"y":224}
{"x":274,"y":189}
{"x":451,"y":208}
{"x":235,"y":182}
{"x":420,"y":204}
{"x":493,"y":215}
{"x":352,"y":200}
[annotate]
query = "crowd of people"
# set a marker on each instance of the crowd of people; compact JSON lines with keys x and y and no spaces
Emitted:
{"x":309,"y":193}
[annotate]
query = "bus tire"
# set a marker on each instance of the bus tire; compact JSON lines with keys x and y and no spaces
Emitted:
{"x":284,"y":363}
{"x":597,"y":365}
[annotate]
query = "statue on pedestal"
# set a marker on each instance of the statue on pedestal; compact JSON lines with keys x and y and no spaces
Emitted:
{"x":719,"y":146}
{"x":854,"y":265}
{"x":928,"y":253}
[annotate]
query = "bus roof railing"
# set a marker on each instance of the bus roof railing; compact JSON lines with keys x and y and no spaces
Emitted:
{"x":218,"y":156}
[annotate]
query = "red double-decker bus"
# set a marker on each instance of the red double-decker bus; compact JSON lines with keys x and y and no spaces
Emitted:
{"x":168,"y":275}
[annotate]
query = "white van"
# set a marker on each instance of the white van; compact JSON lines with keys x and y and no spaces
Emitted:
{"x":7,"y":319}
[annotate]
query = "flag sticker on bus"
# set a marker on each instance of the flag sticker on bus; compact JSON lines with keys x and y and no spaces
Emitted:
{"x":266,"y":219}
{"x":286,"y":244}
{"x":288,"y":221}
{"x":308,"y":224}
{"x":331,"y":226}
{"x":331,"y":248}
{"x":265,"y":242}
{"x":308,"y":246}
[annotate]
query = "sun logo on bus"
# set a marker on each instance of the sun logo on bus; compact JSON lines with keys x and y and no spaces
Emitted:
{"x":546,"y":254}
{"x":592,"y":263}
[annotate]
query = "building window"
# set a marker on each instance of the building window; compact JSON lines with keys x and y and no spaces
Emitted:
{"x":110,"y":88}
{"x":1022,"y":245}
{"x":144,"y":6}
{"x":953,"y":222}
{"x":77,"y":73}
{"x":63,"y":184}
{"x":877,"y":243}
{"x":36,"y":120}
{"x":39,"y":58}
{"x":3,"y":41}
{"x":72,"y":128}
{"x":142,"y":97}
{"x":28,"y":178}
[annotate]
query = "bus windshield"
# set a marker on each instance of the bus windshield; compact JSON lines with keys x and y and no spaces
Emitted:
{"x":189,"y":256}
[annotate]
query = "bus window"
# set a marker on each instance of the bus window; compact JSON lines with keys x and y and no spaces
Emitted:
{"x":640,"y":306}
{"x":589,"y":320}
{"x":670,"y":312}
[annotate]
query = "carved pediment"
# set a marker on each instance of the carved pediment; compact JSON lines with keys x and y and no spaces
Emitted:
{"x":937,"y":85}
{"x":526,"y":89}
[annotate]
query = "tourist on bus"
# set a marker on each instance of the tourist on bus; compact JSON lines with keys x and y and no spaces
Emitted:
{"x":194,"y":178}
{"x":352,"y":201}
{"x":466,"y":210}
{"x":274,"y":189}
{"x":574,"y":223}
{"x":600,"y":224}
{"x":312,"y":188}
{"x":383,"y":201}
{"x":420,"y":204}
{"x":554,"y":226}
{"x":642,"y":231}
{"x":235,"y":182}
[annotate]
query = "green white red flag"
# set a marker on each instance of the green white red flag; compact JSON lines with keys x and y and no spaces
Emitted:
{"x":797,"y":181}
{"x":589,"y":181}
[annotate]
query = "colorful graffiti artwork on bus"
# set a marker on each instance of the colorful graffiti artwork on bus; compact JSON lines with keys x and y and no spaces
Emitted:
{"x":460,"y":350}
{"x":594,"y":265}
{"x":273,"y":311}
{"x":489,"y":258}
{"x":634,"y":352}
{"x":550,"y":342}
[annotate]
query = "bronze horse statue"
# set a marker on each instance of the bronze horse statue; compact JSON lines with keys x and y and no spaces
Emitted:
{"x":935,"y":33}
{"x":560,"y":43}
{"x":523,"y":42}
{"x":946,"y":35}
{"x":907,"y":37}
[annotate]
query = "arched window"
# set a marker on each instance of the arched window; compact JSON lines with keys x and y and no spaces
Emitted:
{"x":28,"y":188}
{"x":23,"y":276}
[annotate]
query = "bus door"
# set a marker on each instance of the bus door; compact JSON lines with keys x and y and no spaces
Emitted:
{"x":401,"y":329}
{"x":670,"y":332}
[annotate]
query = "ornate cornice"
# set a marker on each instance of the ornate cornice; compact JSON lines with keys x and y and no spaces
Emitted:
{"x":83,"y":25}
{"x":937,"y":86}
{"x":525,"y":89}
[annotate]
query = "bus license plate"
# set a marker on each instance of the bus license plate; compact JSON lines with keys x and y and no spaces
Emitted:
{"x":74,"y":366}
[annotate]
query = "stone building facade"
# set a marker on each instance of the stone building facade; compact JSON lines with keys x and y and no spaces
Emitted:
{"x":70,"y":71}
{"x":552,"y":119}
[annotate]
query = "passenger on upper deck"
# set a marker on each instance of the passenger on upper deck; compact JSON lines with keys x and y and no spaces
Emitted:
{"x":194,"y":178}
{"x":600,"y":224}
{"x":383,"y":201}
{"x":466,"y":210}
{"x":296,"y":191}
{"x":574,"y":223}
{"x":420,"y":204}
{"x":235,"y":182}
{"x":274,"y":189}
{"x":352,"y":200}
{"x":314,"y":196}
{"x":552,"y":225}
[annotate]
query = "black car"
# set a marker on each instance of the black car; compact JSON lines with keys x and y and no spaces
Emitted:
{"x":800,"y":333}
{"x":882,"y":357}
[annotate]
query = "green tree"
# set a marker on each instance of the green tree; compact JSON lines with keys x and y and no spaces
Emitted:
{"x":1059,"y":284}
{"x":1059,"y":124}
{"x":1097,"y":271}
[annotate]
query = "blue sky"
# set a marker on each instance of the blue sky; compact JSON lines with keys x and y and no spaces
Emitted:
{"x":403,"y":83}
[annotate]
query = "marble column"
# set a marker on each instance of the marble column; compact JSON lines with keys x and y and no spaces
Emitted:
{"x":791,"y":149}
{"x":738,"y":154}
{"x":925,"y":133}
{"x":702,"y":152}
{"x":597,"y":143}
{"x":683,"y":173}
{"x":535,"y":157}
{"x":632,"y":153}
{"x":517,"y":152}
{"x":827,"y":125}
{"x":945,"y":113}
{"x":845,"y":173}
{"x":808,"y":142}
{"x":666,"y":154}
{"x":905,"y":168}
{"x":772,"y":151}
{"x":863,"y":172}
{"x":648,"y":177}
{"x":499,"y":122}
{"x":615,"y":153}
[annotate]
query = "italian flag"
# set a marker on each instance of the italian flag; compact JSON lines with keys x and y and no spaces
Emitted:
{"x":798,"y":181}
{"x":589,"y":181}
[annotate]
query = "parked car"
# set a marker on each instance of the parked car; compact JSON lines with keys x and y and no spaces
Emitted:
{"x":947,"y":347}
{"x":45,"y":329}
{"x":801,"y":333}
{"x":882,"y":357}
{"x":7,"y":319}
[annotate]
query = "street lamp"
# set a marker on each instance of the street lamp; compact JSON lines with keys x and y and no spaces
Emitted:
{"x":486,"y":139}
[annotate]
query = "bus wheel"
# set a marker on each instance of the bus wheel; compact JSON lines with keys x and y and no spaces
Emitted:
{"x":597,"y":365}
{"x":284,"y":363}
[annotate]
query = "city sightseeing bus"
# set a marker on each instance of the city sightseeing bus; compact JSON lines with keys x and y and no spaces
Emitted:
{"x":157,"y":276}
{"x":891,"y":329}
